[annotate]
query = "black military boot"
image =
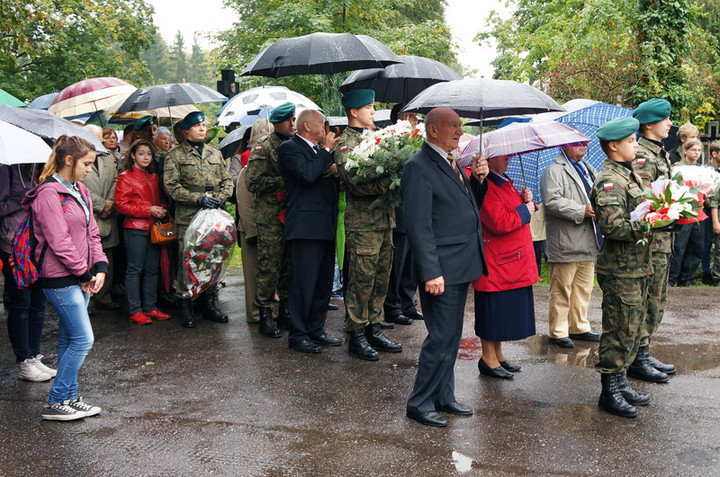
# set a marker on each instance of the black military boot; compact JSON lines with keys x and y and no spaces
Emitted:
{"x":187,"y":316}
{"x":641,"y":368}
{"x":267,"y":324}
{"x":283,"y":319}
{"x":611,"y":400}
{"x":379,"y":341}
{"x":359,"y":347}
{"x":631,"y":396}
{"x":657,"y":364}
{"x":210,"y":310}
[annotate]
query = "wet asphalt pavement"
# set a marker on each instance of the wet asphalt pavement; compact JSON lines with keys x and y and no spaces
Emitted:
{"x":222,"y":400}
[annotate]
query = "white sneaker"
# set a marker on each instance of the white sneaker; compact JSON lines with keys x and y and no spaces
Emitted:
{"x":61,"y":411}
{"x":84,"y":408}
{"x":30,"y":372}
{"x":39,"y":365}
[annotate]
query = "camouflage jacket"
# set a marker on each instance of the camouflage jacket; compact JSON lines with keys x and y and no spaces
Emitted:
{"x":358,"y":214}
{"x":187,"y":176}
{"x":263,"y":179}
{"x":616,"y":192}
{"x":651,"y":163}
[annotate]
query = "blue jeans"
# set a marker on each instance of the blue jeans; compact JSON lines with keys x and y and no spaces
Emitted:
{"x":26,"y":315}
{"x":76,"y":339}
{"x":143,"y":259}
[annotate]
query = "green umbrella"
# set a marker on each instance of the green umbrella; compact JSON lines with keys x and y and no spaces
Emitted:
{"x":10,"y":100}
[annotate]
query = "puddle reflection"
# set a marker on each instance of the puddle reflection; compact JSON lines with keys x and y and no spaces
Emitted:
{"x":461,"y":462}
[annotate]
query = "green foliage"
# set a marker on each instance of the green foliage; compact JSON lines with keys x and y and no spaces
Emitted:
{"x":49,"y":44}
{"x":622,"y":51}
{"x":415,"y":26}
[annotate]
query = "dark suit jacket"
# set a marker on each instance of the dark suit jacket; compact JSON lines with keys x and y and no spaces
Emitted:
{"x":312,"y":200}
{"x":442,"y":222}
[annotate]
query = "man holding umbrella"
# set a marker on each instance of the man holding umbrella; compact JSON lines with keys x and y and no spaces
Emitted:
{"x":369,"y":238}
{"x":263,"y":179}
{"x":195,"y":178}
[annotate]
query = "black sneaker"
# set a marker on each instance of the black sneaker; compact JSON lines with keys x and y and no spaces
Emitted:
{"x":61,"y":411}
{"x":86,"y":409}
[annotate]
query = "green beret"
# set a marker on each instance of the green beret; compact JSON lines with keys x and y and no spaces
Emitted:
{"x":358,"y":98}
{"x":652,"y":111}
{"x":282,"y":113}
{"x":192,"y":119}
{"x":617,"y":129}
{"x":144,"y":121}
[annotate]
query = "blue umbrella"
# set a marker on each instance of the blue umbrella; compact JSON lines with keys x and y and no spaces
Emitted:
{"x":42,"y":102}
{"x":587,"y":120}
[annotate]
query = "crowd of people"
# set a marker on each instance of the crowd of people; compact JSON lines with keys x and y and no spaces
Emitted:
{"x":304,"y":214}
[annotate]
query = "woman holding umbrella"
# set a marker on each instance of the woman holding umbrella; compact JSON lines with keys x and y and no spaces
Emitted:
{"x":504,"y":307}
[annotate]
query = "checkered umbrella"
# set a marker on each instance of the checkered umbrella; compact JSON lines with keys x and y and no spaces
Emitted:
{"x":246,"y":107}
{"x":586,"y":120}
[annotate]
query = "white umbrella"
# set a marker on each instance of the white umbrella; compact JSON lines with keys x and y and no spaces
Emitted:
{"x":18,"y":146}
{"x":246,"y":107}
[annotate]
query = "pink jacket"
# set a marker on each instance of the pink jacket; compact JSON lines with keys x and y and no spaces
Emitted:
{"x":74,"y":246}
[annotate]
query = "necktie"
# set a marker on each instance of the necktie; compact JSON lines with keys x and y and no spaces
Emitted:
{"x":457,"y":170}
{"x":316,"y":148}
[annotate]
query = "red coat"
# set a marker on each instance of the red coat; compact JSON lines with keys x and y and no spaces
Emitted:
{"x":135,"y":192}
{"x":509,"y":248}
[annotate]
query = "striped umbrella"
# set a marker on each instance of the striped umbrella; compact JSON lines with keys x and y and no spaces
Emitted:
{"x":89,"y":96}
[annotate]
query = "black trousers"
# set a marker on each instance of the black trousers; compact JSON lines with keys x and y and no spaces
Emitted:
{"x":687,"y":253}
{"x":403,"y":282}
{"x":312,"y":264}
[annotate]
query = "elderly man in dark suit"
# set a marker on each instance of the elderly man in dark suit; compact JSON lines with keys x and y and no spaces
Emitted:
{"x":442,"y":223}
{"x":310,"y":177}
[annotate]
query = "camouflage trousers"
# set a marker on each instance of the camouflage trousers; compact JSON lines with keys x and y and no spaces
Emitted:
{"x":657,"y":297}
{"x":624,"y":307}
{"x":367,"y":271}
{"x":273,"y":267}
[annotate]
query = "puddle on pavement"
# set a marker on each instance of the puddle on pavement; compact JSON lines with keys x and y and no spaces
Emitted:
{"x":461,"y":462}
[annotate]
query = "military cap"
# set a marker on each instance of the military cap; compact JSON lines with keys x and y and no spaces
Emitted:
{"x":358,"y":98}
{"x":282,"y":113}
{"x":192,"y":119}
{"x":652,"y":111}
{"x":617,"y":129}
{"x":144,"y":121}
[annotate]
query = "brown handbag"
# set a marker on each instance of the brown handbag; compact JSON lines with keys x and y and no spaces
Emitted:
{"x":163,"y":232}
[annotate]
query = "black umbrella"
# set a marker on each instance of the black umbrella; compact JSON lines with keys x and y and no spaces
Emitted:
{"x":484,"y":98}
{"x":165,"y":96}
{"x":320,"y":54}
{"x":47,"y":125}
{"x":400,"y":82}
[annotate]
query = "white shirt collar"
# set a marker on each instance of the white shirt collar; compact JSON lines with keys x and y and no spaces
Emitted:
{"x":443,"y":153}
{"x":312,"y":146}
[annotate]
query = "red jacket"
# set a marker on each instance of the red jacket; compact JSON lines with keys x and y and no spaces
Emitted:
{"x":135,"y":192}
{"x":509,"y":248}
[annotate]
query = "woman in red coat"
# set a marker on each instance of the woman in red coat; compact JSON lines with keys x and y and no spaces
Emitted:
{"x":504,"y":308}
{"x":137,"y":197}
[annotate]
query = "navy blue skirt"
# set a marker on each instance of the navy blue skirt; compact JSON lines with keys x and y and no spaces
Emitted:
{"x":506,"y":315}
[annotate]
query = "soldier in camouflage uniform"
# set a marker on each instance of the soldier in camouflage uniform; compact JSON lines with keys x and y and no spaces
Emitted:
{"x":623,"y":266}
{"x":264,"y":181}
{"x":368,"y":239}
{"x":651,"y":163}
{"x":195,"y":178}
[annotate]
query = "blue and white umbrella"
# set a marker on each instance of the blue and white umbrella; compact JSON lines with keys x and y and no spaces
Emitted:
{"x":587,"y":120}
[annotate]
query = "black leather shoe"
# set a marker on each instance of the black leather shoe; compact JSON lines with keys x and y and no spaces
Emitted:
{"x":633,"y":397}
{"x":304,"y":346}
{"x":210,"y":310}
{"x":325,"y":340}
{"x":587,"y":336}
{"x":187,"y":316}
{"x":512,"y":367}
{"x":379,"y":341}
{"x":430,"y":418}
{"x":360,"y":348}
{"x":456,"y":408}
{"x":660,"y":366}
{"x":498,"y":372}
{"x":399,"y":320}
{"x":562,"y":342}
{"x":414,"y":314}
{"x":283,"y":319}
{"x":267,"y":324}
{"x":611,"y":400}
{"x":384,"y":325}
{"x":333,"y":307}
{"x":641,"y":368}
